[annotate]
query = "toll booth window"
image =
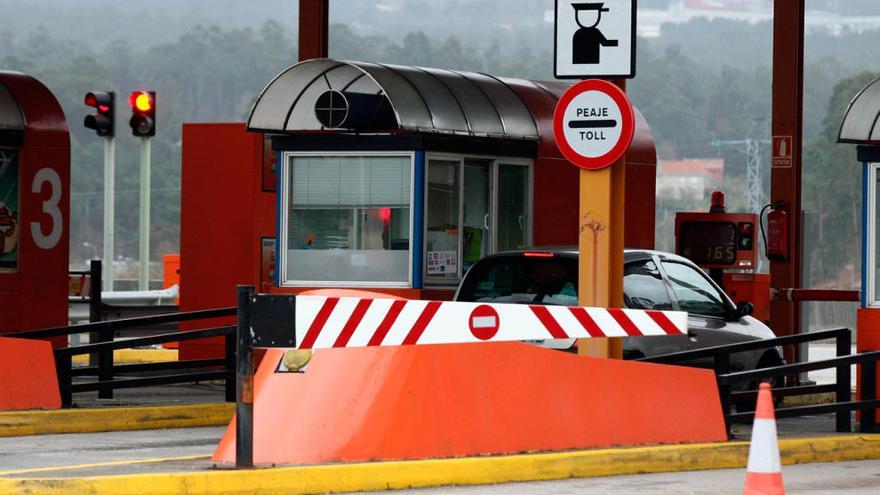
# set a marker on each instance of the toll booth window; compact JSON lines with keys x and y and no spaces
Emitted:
{"x":475,"y":207}
{"x":348,"y":220}
{"x":9,"y":210}
{"x":513,"y":206}
{"x":874,"y":300}
{"x":442,"y":221}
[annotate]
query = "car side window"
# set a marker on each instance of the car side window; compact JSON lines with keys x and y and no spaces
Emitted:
{"x":694,"y":292}
{"x":643,"y":286}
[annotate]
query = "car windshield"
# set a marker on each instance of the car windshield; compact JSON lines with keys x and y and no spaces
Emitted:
{"x":522,"y":279}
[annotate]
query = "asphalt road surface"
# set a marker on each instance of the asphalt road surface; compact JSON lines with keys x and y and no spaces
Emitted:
{"x":96,"y":454}
{"x":45,"y":451}
{"x":839,"y":478}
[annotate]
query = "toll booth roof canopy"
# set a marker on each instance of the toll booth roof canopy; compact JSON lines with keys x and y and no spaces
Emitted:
{"x":860,"y":120}
{"x":11,"y":118}
{"x":422,"y":99}
{"x":370,"y":97}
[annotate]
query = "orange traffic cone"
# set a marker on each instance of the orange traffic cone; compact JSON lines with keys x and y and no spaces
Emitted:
{"x":764,"y":473}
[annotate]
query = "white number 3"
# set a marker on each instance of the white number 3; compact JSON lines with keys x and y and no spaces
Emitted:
{"x":50,"y":207}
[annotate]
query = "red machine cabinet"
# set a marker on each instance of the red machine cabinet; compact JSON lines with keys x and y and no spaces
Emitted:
{"x":717,"y":240}
{"x":34,"y":205}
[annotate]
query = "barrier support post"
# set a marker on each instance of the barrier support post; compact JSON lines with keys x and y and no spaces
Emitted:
{"x":244,"y":373}
{"x":869,"y":393}
{"x":230,"y":341}
{"x":843,"y":421}
{"x":103,"y":358}
{"x":63,"y":365}
{"x":721,"y":362}
{"x":96,"y":287}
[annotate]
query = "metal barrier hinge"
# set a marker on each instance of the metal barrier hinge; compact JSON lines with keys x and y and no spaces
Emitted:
{"x":273,"y":320}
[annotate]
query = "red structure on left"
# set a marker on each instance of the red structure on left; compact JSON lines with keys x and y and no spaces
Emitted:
{"x":34,"y":206}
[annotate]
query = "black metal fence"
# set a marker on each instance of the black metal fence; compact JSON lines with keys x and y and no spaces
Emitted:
{"x":108,"y":374}
{"x":90,"y":293}
{"x":93,"y":294}
{"x":843,"y":404}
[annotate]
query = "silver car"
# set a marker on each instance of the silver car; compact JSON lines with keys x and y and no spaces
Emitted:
{"x":651,"y":280}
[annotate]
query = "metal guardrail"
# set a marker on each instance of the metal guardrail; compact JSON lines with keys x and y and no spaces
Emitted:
{"x":843,"y":404}
{"x":103,"y":344}
{"x":87,"y":301}
{"x":106,"y":382}
{"x":841,"y":407}
{"x":815,"y":295}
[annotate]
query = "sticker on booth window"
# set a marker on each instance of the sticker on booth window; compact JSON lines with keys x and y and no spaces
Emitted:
{"x":9,"y":221}
{"x":442,"y":262}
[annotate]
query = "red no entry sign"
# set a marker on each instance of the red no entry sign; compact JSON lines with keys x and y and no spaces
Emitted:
{"x":484,"y":322}
{"x":593,"y":124}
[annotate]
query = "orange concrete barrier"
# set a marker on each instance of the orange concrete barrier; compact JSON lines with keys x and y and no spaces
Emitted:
{"x":27,"y":375}
{"x":432,"y":401}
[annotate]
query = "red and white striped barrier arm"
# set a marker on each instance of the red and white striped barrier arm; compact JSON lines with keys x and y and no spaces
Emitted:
{"x":325,"y":322}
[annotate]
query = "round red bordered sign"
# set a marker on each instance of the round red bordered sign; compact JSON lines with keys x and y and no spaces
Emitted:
{"x":484,"y":322}
{"x":593,"y":124}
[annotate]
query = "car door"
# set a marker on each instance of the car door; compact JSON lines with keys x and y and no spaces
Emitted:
{"x":644,"y":288}
{"x":707,"y":309}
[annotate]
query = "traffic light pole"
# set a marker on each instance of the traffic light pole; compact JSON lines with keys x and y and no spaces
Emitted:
{"x":109,"y":201}
{"x":144,"y":251}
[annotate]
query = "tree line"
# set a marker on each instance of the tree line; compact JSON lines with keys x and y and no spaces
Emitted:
{"x":689,"y":99}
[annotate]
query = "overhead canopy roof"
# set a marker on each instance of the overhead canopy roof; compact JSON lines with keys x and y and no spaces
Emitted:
{"x":423,"y":99}
{"x":860,"y":120}
{"x":426,"y":100}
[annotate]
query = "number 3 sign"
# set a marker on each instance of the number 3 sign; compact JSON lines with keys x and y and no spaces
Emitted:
{"x":50,"y":207}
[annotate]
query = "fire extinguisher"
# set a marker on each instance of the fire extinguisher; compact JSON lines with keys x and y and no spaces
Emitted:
{"x":776,"y":240}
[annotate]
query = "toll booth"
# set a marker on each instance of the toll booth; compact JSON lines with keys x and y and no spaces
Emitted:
{"x":859,"y":127}
{"x":381,"y":177}
{"x":34,"y":205}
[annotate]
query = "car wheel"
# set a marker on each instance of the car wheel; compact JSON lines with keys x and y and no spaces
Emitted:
{"x":768,"y":360}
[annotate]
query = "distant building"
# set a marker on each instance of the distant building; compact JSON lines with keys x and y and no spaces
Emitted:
{"x":689,"y":179}
{"x":650,"y":21}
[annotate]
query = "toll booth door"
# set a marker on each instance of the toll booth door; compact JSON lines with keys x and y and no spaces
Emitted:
{"x":476,"y":212}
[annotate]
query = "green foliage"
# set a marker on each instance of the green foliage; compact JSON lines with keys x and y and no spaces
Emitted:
{"x":691,"y":93}
{"x":832,"y":190}
{"x":208,"y":74}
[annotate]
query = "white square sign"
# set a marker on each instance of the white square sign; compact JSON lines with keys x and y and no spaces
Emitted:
{"x":595,"y":39}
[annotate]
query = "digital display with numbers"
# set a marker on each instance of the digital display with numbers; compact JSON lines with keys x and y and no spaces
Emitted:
{"x":708,"y":243}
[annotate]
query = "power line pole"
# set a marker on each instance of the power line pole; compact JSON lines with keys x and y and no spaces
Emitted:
{"x":755,"y":193}
{"x":754,"y":182}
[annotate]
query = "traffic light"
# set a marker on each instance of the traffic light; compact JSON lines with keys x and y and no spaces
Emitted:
{"x":143,"y":113}
{"x":102,"y":121}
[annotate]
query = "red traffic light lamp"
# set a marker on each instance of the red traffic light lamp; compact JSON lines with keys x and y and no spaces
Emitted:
{"x":143,"y":113}
{"x":102,"y":121}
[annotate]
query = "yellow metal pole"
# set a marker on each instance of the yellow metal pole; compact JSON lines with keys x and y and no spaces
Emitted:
{"x":600,"y":246}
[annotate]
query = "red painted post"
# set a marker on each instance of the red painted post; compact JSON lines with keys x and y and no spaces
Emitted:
{"x":785,"y":175}
{"x":314,"y":27}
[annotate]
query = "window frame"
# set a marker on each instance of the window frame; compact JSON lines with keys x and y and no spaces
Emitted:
{"x":284,"y":214}
{"x":870,"y":242}
{"x":726,"y":301}
{"x":431,"y":282}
